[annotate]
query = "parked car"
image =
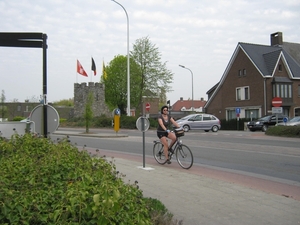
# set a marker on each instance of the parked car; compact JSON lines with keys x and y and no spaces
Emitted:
{"x":205,"y":122}
{"x":264,"y":123}
{"x":292,"y":122}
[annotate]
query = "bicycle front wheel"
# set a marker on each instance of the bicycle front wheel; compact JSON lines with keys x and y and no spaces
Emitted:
{"x":158,"y":153}
{"x":184,"y":156}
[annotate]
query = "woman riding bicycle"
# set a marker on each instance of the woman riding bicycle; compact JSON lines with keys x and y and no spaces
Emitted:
{"x":163,"y":132}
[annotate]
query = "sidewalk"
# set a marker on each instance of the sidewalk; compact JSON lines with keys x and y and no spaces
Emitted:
{"x":197,"y":199}
{"x":202,"y":200}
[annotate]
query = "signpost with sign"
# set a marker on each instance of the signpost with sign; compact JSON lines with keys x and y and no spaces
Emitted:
{"x":143,"y":124}
{"x":285,"y":119}
{"x":147,"y":106}
{"x":277,"y":102}
{"x":117,"y":114}
{"x":237,"y":112}
{"x":277,"y":109}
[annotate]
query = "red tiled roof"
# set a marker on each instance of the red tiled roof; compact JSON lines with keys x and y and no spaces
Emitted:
{"x":177,"y":106}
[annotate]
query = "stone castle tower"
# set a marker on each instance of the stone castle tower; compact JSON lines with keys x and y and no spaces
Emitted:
{"x":81,"y":92}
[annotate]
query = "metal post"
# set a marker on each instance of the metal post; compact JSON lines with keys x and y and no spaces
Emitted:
{"x":45,"y":116}
{"x":143,"y":129}
{"x":128,"y":61}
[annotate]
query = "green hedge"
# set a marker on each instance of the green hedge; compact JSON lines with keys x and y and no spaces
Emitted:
{"x":126,"y":122}
{"x":284,"y":131}
{"x":233,"y":124}
{"x":46,"y":183}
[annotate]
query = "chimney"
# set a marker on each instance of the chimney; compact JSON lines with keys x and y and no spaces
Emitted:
{"x":202,"y":99}
{"x":276,"y":39}
{"x":181,"y":99}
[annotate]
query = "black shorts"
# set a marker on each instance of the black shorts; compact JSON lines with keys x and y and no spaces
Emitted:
{"x":161,"y":134}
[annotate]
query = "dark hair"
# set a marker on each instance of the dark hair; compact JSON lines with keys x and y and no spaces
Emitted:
{"x":162,"y":108}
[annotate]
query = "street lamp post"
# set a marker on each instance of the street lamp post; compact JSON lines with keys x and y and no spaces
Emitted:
{"x":192,"y":85}
{"x":128,"y":62}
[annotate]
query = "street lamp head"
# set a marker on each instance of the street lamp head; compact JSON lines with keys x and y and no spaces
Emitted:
{"x":182,"y":66}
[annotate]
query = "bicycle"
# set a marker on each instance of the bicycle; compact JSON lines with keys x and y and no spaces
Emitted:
{"x":183,"y":153}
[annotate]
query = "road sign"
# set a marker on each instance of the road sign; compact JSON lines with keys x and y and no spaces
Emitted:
{"x":147,"y":106}
{"x":285,"y":119}
{"x":277,"y":102}
{"x":142,"y":124}
{"x":276,"y":110}
{"x":237,"y":110}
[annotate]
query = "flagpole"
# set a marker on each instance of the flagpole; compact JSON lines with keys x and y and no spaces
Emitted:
{"x":76,"y":74}
{"x":91,"y":71}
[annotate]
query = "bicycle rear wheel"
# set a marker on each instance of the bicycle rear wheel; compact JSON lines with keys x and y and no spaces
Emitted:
{"x":158,"y":153}
{"x":184,"y":156}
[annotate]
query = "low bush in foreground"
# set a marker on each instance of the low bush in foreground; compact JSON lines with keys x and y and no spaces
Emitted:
{"x":43,"y":182}
{"x":284,"y":131}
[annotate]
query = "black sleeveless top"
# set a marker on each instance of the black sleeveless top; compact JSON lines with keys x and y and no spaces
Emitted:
{"x":165,"y":122}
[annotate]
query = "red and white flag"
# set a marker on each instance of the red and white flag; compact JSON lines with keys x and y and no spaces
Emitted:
{"x":80,"y":69}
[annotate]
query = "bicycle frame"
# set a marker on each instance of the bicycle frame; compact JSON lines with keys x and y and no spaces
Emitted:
{"x":183,"y":153}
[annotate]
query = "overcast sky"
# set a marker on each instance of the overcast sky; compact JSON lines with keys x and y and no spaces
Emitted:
{"x":199,"y":34}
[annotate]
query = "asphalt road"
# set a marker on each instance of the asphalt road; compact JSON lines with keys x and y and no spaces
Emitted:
{"x":244,"y":152}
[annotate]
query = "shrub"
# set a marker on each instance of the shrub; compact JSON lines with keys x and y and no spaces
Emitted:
{"x":47,"y":183}
{"x":102,"y":121}
{"x":284,"y":131}
{"x":128,"y":122}
{"x":62,"y":120}
{"x":18,"y":118}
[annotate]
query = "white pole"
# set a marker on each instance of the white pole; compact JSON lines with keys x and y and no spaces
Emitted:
{"x":192,"y":85}
{"x":128,"y":62}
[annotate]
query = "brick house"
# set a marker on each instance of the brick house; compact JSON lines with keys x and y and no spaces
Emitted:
{"x":182,"y":107}
{"x":254,"y":76}
{"x":189,"y":105}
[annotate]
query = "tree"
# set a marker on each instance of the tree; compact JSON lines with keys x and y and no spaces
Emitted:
{"x":116,"y":83}
{"x":154,"y":75}
{"x":88,"y":114}
{"x":3,"y":107}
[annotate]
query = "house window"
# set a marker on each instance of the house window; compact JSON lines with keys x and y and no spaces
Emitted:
{"x":283,"y":90}
{"x":244,"y":72}
{"x":251,"y":113}
{"x":240,"y":73}
{"x":242,"y":93}
{"x":280,"y":68}
{"x":299,"y":90}
{"x":19,"y":108}
{"x":231,"y":114}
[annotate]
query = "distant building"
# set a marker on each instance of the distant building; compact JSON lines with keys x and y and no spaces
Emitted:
{"x":182,"y":107}
{"x":189,"y":105}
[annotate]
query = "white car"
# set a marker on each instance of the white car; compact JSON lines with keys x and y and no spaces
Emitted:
{"x":292,"y":122}
{"x":205,"y":122}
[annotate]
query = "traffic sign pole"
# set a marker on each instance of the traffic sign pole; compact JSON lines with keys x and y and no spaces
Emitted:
{"x":277,"y":102}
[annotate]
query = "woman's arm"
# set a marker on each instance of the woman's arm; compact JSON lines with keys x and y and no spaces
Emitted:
{"x":174,"y":122}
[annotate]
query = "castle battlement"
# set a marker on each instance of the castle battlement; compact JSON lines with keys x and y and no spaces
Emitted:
{"x":81,"y":92}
